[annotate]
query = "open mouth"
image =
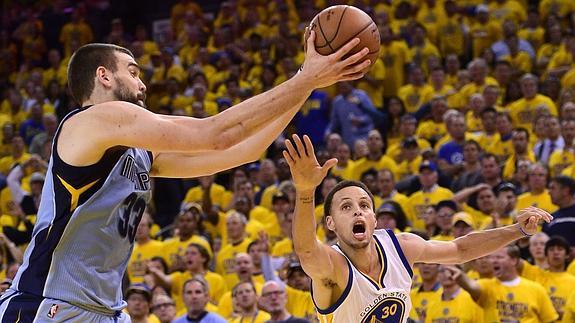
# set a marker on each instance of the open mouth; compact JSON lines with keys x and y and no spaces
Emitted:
{"x":359,"y":230}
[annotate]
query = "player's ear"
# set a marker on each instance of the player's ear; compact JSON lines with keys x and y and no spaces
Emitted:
{"x":330,"y":223}
{"x":103,"y":76}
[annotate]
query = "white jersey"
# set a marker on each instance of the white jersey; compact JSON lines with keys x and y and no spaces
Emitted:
{"x":365,"y":300}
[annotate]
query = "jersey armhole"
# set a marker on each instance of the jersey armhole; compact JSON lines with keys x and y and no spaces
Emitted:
{"x":341,"y":298}
{"x":400,"y":252}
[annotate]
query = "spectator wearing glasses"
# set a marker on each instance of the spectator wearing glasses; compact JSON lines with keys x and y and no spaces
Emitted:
{"x":164,"y":308}
{"x":274,"y":300}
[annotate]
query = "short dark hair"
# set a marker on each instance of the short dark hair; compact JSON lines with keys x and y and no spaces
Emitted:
{"x":557,"y":241}
{"x":488,"y":110}
{"x":513,"y":251}
{"x":505,"y":115}
{"x":565,"y":181}
{"x":522,"y":130}
{"x":199,"y":280}
{"x":339,"y":186}
{"x":83,"y":65}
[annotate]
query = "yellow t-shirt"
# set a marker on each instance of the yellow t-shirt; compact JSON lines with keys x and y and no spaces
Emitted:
{"x":225,"y":305}
{"x":452,"y":36}
{"x":225,"y":261}
{"x":420,"y":301}
{"x":500,"y":147}
{"x":375,"y":92}
{"x":559,"y":161}
{"x":365,"y":164}
{"x":216,"y":283}
{"x":483,"y":36}
{"x":431,"y":130}
{"x":414,"y":97}
{"x":559,"y":285}
{"x":523,"y":111}
{"x":569,"y":314}
{"x":542,"y":201}
{"x":461,"y":309}
{"x":420,"y":55}
{"x":510,"y":165}
{"x":526,"y":302}
{"x":535,"y":36}
{"x":282,"y":248}
{"x":137,"y":266}
{"x":345,"y":172}
{"x":261,"y":317}
{"x":299,"y":303}
{"x":469,"y":89}
{"x":520,"y":61}
{"x":560,"y":7}
{"x":418,"y":201}
{"x":509,"y":9}
{"x":173,"y":247}
{"x":217,"y":194}
{"x":394,"y":57}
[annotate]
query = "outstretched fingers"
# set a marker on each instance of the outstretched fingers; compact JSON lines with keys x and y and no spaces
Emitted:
{"x":292,"y":151}
{"x":300,"y":147}
{"x":345,"y":49}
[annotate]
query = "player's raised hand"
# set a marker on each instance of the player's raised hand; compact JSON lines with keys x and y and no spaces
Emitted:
{"x":324,"y":71}
{"x":529,"y":218}
{"x":307,"y":173}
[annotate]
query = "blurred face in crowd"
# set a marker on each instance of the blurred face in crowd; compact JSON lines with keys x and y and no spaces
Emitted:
{"x":164,"y":308}
{"x":520,"y":142}
{"x":568,"y":131}
{"x":568,"y":111}
{"x":557,"y":257}
{"x":445,"y":218}
{"x":143,"y":231}
{"x":385,"y":182}
{"x":456,"y":127}
{"x":553,"y":127}
{"x":299,"y":280}
{"x":375,"y":142}
{"x":244,"y":266}
{"x":407,"y":127}
{"x":327,"y":185}
{"x":484,"y":266}
{"x":428,"y":178}
{"x":537,"y":246}
{"x":428,"y":272}
{"x":452,"y":64}
{"x":195,"y":297}
{"x":194,"y":259}
{"x":333,"y":142}
{"x":370,"y":181}
{"x":470,"y":153}
{"x":256,"y":251}
{"x":138,"y":305}
{"x":529,"y":88}
{"x":360,"y":148}
{"x":445,"y":278}
{"x":489,"y":121}
{"x":537,"y":178}
{"x":438,"y":109}
{"x":245,"y":296}
{"x":235,"y":226}
{"x":343,"y":154}
{"x":461,"y":228}
{"x":490,"y":95}
{"x":187,"y":222}
{"x":504,"y":266}
{"x":486,"y":201}
{"x":503,"y":125}
{"x":246,"y":189}
{"x":274,"y":297}
{"x":508,"y":199}
{"x":429,"y":216}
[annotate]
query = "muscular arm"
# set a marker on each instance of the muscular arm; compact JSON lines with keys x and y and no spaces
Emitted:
{"x":460,"y":250}
{"x":207,"y":163}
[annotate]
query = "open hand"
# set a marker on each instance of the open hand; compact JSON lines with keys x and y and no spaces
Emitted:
{"x":324,"y":71}
{"x":307,"y":173}
{"x":530,"y":217}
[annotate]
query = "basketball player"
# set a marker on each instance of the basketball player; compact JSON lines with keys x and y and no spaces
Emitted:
{"x":98,"y":180}
{"x":366,"y":277}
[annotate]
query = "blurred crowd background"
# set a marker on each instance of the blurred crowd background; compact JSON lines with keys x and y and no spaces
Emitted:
{"x":467,"y":117}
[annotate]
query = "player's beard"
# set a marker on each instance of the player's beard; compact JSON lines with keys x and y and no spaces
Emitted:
{"x":122,"y":93}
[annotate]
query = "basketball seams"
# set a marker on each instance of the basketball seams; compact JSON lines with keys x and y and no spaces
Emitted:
{"x":362,"y":30}
{"x":323,"y":35}
{"x":336,"y":30}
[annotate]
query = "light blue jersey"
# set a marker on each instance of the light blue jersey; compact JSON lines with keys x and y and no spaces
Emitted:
{"x":85,"y":230}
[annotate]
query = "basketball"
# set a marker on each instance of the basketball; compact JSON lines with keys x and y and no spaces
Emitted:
{"x":336,"y":25}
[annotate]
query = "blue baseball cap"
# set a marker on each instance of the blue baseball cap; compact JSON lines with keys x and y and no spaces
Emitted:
{"x":428,"y":165}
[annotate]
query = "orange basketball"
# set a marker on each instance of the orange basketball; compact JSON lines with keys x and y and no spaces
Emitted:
{"x":336,"y":25}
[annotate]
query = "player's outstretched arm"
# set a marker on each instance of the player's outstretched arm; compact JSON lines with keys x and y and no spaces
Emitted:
{"x":473,"y":245}
{"x":317,"y":259}
{"x":123,"y":124}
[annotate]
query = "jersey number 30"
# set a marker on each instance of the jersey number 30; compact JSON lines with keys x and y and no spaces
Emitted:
{"x":130,"y":215}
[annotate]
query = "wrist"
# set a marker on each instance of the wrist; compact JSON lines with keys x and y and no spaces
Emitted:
{"x":523,"y":232}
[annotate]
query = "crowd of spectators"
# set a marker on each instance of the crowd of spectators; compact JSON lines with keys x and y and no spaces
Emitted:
{"x":467,"y":117}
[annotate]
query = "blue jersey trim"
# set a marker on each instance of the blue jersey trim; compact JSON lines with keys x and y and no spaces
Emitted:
{"x":400,"y":252}
{"x":341,"y":298}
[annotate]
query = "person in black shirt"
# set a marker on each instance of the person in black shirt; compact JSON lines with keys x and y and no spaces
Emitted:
{"x":561,"y":190}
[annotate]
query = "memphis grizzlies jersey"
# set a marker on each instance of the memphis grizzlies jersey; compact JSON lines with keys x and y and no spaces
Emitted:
{"x":85,"y":228}
{"x":368,"y":301}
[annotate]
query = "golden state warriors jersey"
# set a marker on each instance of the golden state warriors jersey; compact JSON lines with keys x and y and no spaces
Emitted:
{"x":368,"y":301}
